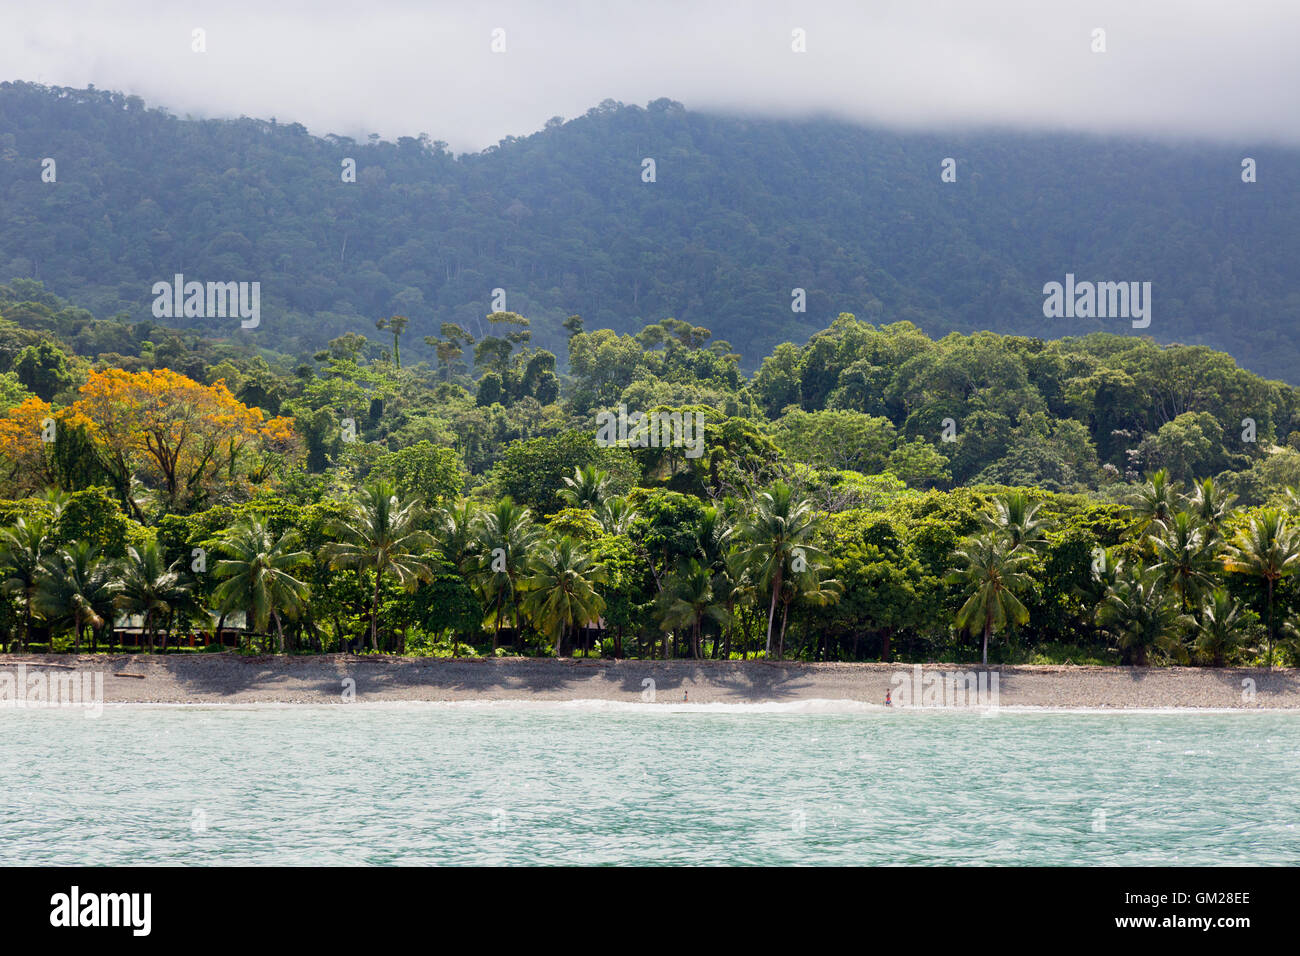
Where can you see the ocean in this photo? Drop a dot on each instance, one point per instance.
(814, 783)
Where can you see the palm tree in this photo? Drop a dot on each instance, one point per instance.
(1269, 549)
(1015, 517)
(257, 577)
(1141, 614)
(455, 534)
(1210, 504)
(23, 549)
(79, 588)
(505, 536)
(776, 534)
(560, 592)
(1184, 550)
(615, 515)
(382, 534)
(588, 488)
(991, 572)
(689, 599)
(151, 587)
(1154, 502)
(1222, 621)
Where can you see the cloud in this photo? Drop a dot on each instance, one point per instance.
(1196, 68)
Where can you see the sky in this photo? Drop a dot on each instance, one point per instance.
(1226, 70)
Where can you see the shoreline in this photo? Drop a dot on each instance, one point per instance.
(327, 679)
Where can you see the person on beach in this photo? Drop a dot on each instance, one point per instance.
(889, 700)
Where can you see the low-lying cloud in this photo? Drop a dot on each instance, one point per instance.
(1198, 68)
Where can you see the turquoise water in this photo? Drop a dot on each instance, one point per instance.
(429, 784)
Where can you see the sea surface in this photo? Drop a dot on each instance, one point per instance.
(590, 783)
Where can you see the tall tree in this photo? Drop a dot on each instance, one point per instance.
(397, 325)
(1142, 614)
(776, 536)
(257, 577)
(79, 588)
(506, 537)
(1269, 549)
(382, 534)
(23, 549)
(560, 592)
(1184, 551)
(151, 587)
(992, 573)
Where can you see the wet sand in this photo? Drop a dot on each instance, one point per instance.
(233, 679)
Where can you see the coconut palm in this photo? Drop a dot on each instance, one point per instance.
(24, 547)
(1154, 502)
(588, 488)
(779, 530)
(506, 537)
(78, 588)
(151, 587)
(455, 535)
(1185, 551)
(1222, 623)
(807, 588)
(615, 515)
(1210, 504)
(1142, 614)
(688, 598)
(257, 577)
(1015, 517)
(381, 533)
(992, 573)
(560, 592)
(1269, 549)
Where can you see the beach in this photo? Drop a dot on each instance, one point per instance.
(342, 678)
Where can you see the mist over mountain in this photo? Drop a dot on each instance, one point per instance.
(741, 213)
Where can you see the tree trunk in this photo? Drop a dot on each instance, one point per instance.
(1269, 656)
(988, 623)
(785, 616)
(279, 630)
(771, 613)
(374, 617)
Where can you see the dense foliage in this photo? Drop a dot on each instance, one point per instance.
(741, 212)
(873, 493)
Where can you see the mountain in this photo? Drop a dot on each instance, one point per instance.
(742, 211)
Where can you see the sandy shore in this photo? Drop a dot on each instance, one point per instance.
(232, 679)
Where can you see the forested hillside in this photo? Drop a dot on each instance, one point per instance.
(872, 493)
(741, 212)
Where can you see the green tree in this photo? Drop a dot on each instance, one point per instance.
(991, 573)
(78, 588)
(560, 592)
(23, 550)
(780, 531)
(257, 577)
(1184, 552)
(1222, 624)
(1269, 549)
(1142, 614)
(151, 587)
(588, 488)
(689, 599)
(506, 538)
(381, 534)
